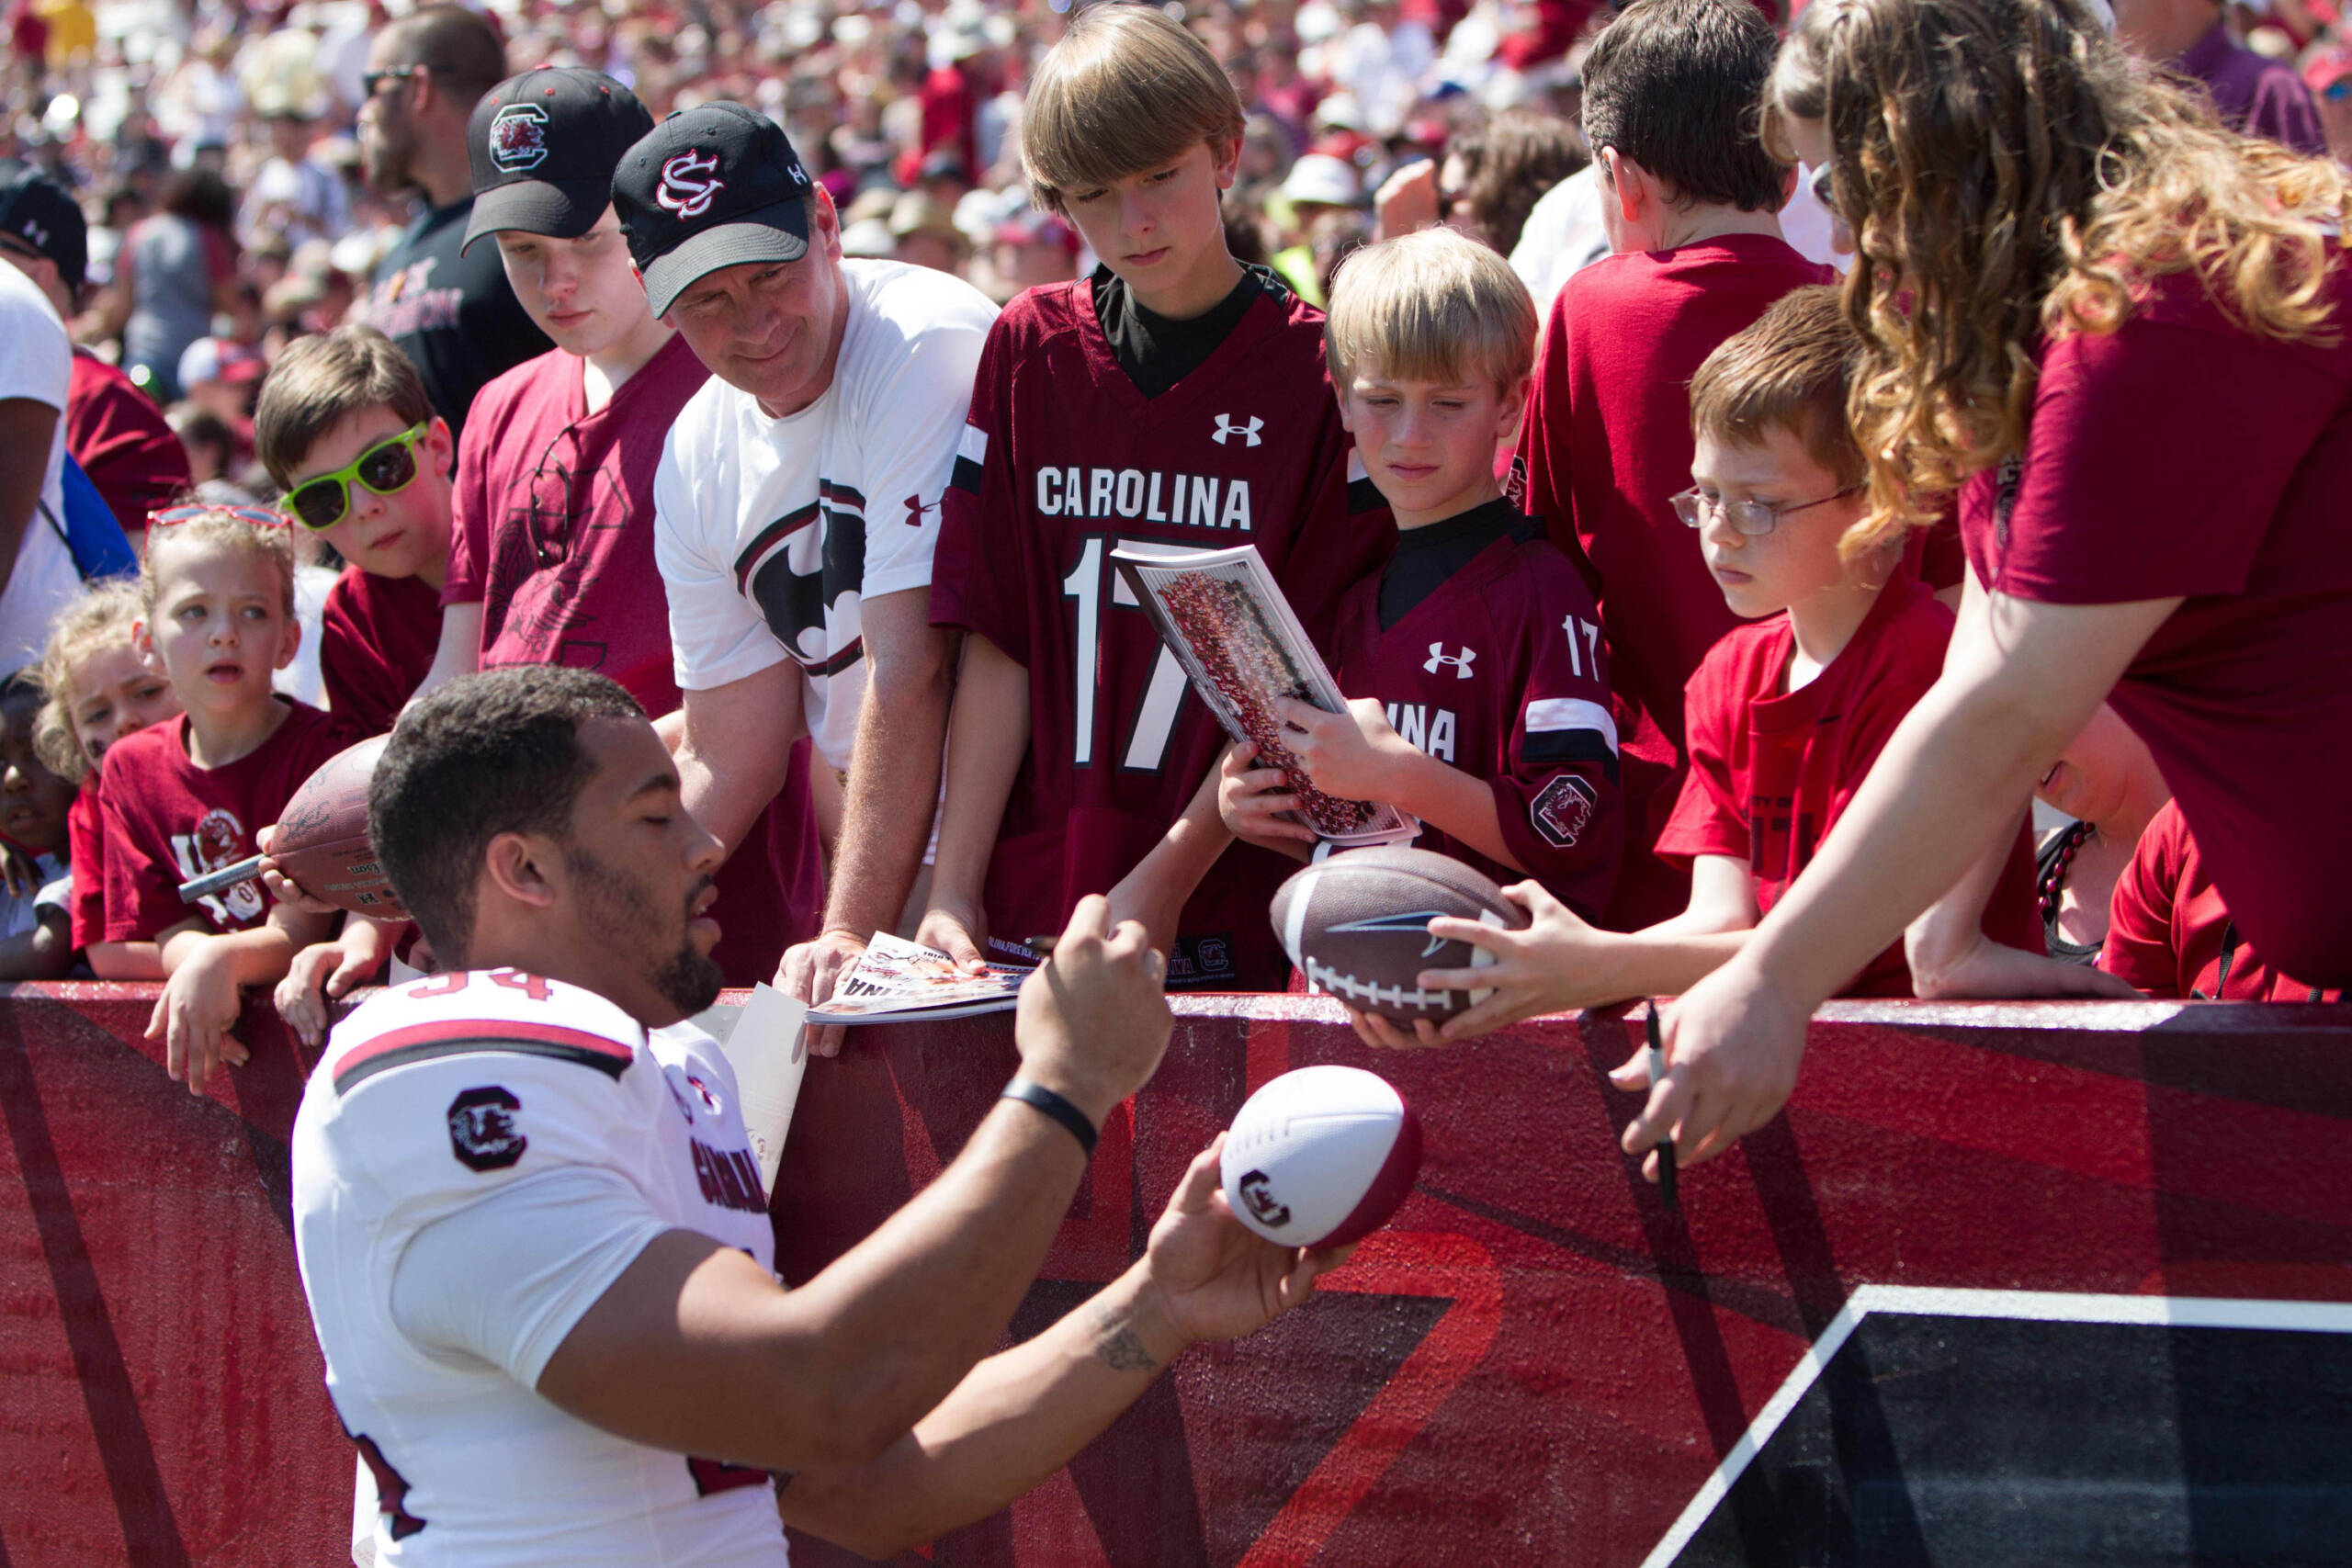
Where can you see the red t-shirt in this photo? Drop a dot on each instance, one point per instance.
(553, 536)
(1501, 671)
(1772, 770)
(85, 843)
(168, 820)
(1607, 441)
(118, 434)
(2169, 934)
(377, 639)
(2130, 490)
(1063, 459)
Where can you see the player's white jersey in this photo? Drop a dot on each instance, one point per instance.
(463, 1103)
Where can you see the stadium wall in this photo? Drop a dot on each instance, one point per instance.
(2008, 1283)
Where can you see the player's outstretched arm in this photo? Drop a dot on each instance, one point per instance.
(695, 1350)
(988, 733)
(1020, 1415)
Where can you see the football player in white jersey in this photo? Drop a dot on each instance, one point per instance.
(532, 1237)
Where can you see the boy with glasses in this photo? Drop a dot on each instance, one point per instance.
(1787, 713)
(345, 427)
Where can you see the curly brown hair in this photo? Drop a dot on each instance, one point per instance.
(1507, 165)
(2010, 175)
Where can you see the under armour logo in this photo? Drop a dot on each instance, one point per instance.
(688, 187)
(1461, 664)
(916, 510)
(1249, 433)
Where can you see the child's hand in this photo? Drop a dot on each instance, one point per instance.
(1251, 801)
(195, 1014)
(1556, 964)
(322, 975)
(18, 873)
(1349, 754)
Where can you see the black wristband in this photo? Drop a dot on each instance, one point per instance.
(1055, 1106)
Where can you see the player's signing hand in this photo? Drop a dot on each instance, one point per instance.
(1733, 1045)
(810, 970)
(284, 888)
(1093, 1022)
(1216, 1280)
(195, 1014)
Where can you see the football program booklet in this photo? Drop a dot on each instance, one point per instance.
(896, 980)
(1222, 615)
(769, 1050)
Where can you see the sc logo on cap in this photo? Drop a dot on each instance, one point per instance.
(688, 187)
(518, 138)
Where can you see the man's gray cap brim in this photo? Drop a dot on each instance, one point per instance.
(753, 239)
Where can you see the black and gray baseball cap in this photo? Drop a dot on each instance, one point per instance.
(712, 186)
(39, 213)
(543, 146)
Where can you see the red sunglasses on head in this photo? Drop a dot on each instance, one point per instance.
(259, 516)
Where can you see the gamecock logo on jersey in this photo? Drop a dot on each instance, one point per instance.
(1563, 811)
(689, 183)
(481, 1129)
(518, 138)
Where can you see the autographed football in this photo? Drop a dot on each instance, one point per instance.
(1357, 926)
(322, 837)
(1320, 1156)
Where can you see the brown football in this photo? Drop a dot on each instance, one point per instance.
(1357, 926)
(322, 837)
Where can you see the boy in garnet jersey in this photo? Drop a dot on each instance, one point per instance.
(2170, 934)
(1175, 398)
(1690, 200)
(1473, 659)
(1786, 713)
(553, 558)
(346, 431)
(182, 798)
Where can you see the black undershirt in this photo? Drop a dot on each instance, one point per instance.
(1159, 351)
(1426, 557)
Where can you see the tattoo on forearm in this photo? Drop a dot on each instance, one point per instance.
(1118, 1344)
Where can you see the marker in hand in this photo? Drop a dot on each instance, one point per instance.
(1664, 1149)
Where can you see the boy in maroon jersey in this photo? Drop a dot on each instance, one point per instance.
(2170, 934)
(1473, 659)
(1175, 398)
(1690, 200)
(1786, 714)
(346, 429)
(553, 558)
(183, 798)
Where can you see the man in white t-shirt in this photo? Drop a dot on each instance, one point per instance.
(531, 1230)
(798, 502)
(35, 372)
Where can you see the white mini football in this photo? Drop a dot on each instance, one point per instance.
(1321, 1156)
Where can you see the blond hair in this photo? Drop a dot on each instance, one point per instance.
(100, 617)
(2010, 174)
(1790, 369)
(1125, 90)
(219, 529)
(1432, 306)
(322, 380)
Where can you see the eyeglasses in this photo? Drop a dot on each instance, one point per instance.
(387, 468)
(1753, 518)
(259, 516)
(371, 80)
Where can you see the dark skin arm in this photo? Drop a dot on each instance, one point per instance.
(26, 427)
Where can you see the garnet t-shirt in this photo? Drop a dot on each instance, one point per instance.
(377, 639)
(1772, 770)
(118, 434)
(2184, 455)
(2170, 934)
(1607, 441)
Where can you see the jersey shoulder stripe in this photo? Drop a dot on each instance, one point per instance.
(463, 1036)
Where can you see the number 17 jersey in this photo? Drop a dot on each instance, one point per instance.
(1063, 459)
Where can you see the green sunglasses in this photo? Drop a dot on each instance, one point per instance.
(386, 469)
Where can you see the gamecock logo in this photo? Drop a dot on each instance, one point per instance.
(689, 183)
(1563, 811)
(518, 138)
(1257, 1193)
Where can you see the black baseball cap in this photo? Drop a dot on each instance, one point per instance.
(36, 210)
(712, 186)
(544, 145)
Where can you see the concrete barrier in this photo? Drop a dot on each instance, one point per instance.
(2008, 1284)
